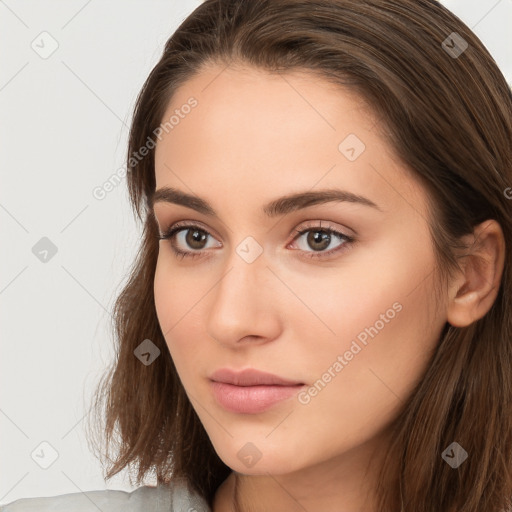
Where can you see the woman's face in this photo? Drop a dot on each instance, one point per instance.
(354, 321)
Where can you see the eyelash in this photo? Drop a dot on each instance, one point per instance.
(169, 235)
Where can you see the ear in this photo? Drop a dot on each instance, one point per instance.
(474, 291)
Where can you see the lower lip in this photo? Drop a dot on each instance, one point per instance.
(251, 399)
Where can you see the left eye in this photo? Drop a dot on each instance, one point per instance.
(319, 239)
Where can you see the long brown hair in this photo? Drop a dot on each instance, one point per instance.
(447, 112)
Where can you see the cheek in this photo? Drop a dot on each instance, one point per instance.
(164, 296)
(170, 298)
(384, 338)
(177, 304)
(360, 379)
(175, 293)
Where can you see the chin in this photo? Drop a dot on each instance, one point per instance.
(260, 458)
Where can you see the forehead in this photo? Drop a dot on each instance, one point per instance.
(258, 134)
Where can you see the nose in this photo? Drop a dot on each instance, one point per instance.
(244, 304)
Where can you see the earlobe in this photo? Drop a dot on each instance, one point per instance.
(476, 289)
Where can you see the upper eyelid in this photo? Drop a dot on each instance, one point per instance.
(187, 225)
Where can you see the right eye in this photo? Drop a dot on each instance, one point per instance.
(184, 237)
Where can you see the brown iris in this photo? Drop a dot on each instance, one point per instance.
(195, 236)
(318, 237)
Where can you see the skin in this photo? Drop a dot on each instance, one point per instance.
(254, 137)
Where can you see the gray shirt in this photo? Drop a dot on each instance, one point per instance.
(174, 497)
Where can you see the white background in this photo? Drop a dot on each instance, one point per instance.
(64, 126)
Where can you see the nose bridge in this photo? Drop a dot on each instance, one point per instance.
(242, 299)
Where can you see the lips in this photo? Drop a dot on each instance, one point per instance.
(250, 377)
(251, 391)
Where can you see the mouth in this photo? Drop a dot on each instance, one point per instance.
(251, 391)
(251, 399)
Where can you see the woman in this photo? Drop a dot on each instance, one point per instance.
(319, 315)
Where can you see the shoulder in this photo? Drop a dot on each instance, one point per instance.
(173, 497)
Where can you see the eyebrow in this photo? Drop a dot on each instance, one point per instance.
(274, 208)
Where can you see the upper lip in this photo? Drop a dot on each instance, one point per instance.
(250, 377)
